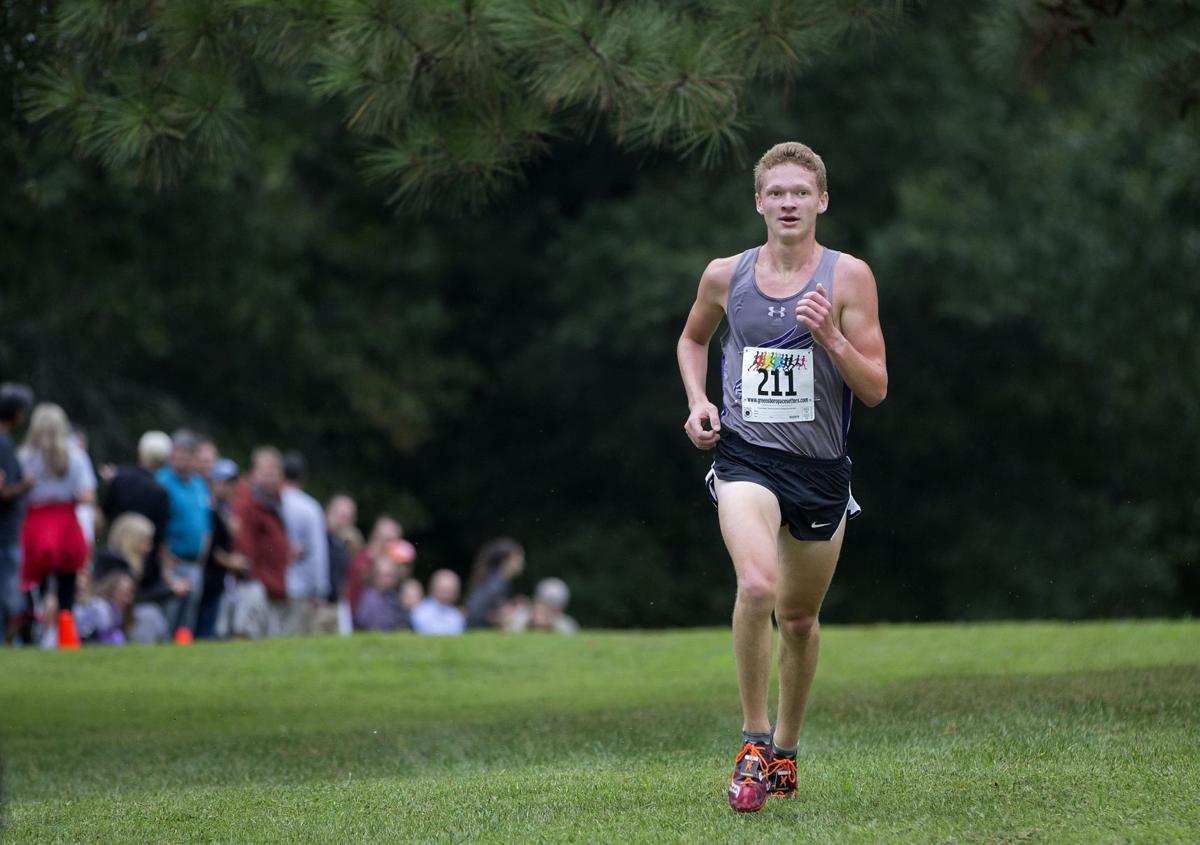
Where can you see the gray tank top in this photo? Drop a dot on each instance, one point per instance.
(758, 320)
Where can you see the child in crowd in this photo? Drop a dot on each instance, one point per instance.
(104, 617)
(380, 607)
(411, 594)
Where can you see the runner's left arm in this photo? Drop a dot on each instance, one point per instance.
(855, 342)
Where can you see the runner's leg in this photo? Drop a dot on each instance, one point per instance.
(749, 515)
(806, 568)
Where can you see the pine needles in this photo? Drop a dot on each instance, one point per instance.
(452, 98)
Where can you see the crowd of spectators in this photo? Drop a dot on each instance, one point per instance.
(182, 544)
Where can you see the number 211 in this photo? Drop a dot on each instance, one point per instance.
(791, 391)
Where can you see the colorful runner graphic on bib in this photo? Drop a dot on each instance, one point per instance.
(777, 385)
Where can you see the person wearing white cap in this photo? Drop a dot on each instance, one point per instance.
(549, 608)
(547, 611)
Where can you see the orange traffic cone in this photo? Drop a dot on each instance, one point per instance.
(68, 637)
(183, 636)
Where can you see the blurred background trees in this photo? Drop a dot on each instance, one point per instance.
(445, 248)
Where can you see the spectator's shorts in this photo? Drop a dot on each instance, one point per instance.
(813, 493)
(249, 611)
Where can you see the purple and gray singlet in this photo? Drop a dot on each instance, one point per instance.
(769, 323)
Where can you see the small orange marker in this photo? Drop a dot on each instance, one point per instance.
(183, 636)
(68, 637)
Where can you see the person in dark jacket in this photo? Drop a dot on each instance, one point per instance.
(15, 402)
(345, 541)
(223, 563)
(134, 490)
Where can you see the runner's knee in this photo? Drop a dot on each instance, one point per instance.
(797, 626)
(757, 589)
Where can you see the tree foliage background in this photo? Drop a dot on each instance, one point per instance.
(445, 249)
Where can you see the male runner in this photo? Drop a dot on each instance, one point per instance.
(803, 339)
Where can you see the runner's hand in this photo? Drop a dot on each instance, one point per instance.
(816, 312)
(705, 413)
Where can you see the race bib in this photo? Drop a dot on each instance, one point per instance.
(777, 385)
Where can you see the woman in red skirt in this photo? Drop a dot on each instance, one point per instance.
(52, 542)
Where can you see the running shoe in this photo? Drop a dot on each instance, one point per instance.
(748, 786)
(781, 777)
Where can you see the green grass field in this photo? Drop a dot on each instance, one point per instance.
(988, 733)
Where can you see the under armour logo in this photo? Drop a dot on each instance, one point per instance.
(771, 311)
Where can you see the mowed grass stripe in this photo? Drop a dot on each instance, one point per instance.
(1034, 732)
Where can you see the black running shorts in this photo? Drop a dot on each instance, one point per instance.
(813, 493)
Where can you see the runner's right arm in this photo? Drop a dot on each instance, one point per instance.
(692, 351)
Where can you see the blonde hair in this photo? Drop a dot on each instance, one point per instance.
(127, 531)
(48, 433)
(791, 152)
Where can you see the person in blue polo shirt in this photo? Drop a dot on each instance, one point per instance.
(189, 525)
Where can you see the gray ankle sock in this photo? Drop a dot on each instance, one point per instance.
(785, 752)
(757, 739)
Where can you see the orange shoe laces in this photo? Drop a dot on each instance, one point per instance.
(752, 750)
(786, 765)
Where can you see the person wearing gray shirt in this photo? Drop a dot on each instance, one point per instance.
(803, 341)
(308, 572)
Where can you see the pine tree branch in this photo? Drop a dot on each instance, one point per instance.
(440, 87)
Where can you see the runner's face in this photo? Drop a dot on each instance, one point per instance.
(789, 201)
